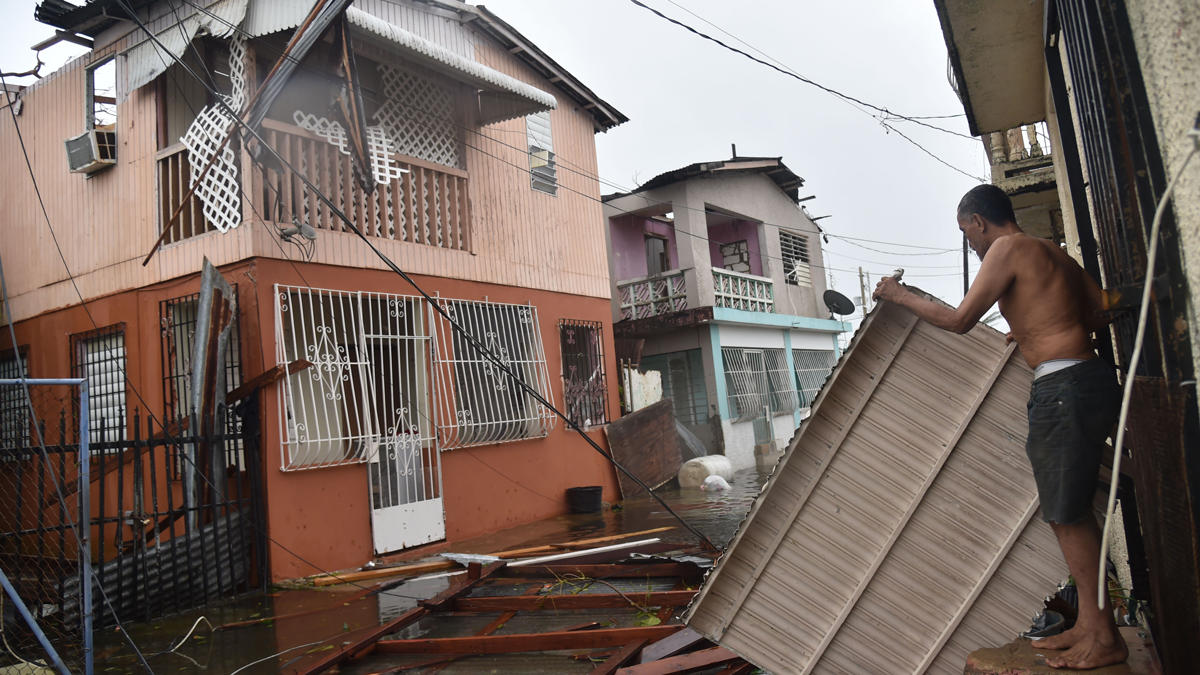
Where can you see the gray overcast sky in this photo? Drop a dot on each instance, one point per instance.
(688, 99)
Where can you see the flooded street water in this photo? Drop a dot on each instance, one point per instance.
(313, 621)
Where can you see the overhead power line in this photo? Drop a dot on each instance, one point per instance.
(886, 114)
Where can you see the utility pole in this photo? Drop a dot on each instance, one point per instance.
(966, 280)
(862, 288)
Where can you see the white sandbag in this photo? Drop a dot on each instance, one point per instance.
(694, 471)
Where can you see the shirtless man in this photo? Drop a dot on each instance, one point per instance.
(1052, 306)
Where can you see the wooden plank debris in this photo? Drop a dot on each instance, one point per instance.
(526, 642)
(668, 646)
(683, 663)
(573, 601)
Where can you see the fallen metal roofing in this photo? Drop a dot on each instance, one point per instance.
(899, 532)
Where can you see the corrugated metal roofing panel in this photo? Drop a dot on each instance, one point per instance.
(898, 533)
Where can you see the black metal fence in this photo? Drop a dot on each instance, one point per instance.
(162, 540)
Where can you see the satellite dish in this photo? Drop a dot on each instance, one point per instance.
(837, 303)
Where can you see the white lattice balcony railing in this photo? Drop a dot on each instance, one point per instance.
(427, 205)
(736, 290)
(651, 296)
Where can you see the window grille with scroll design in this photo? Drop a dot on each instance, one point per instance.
(368, 386)
(479, 403)
(584, 391)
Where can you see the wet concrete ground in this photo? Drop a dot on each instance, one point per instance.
(309, 622)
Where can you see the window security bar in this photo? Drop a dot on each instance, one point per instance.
(812, 369)
(368, 388)
(477, 402)
(758, 382)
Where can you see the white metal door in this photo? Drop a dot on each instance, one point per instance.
(403, 464)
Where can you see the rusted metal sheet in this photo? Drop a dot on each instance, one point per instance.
(900, 530)
(645, 442)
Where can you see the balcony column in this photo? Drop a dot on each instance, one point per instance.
(691, 243)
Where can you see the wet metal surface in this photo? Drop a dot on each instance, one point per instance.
(321, 619)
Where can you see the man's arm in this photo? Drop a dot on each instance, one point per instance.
(995, 276)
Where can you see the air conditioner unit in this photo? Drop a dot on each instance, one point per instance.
(91, 151)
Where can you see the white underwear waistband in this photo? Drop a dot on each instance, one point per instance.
(1053, 366)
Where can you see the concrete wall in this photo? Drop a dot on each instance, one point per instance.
(1166, 34)
(755, 198)
(732, 231)
(628, 248)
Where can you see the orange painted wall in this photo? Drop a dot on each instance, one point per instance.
(322, 516)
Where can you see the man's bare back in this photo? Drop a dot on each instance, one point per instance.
(1050, 302)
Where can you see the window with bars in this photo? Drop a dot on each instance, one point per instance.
(177, 323)
(368, 386)
(480, 403)
(585, 393)
(99, 357)
(812, 369)
(793, 248)
(542, 166)
(682, 382)
(758, 382)
(14, 411)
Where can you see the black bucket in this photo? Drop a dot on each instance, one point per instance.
(584, 499)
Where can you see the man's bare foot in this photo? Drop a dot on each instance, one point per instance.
(1092, 650)
(1064, 640)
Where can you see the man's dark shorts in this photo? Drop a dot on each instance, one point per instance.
(1071, 412)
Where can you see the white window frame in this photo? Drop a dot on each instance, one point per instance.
(478, 403)
(543, 171)
(793, 248)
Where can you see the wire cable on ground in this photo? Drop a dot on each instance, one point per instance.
(1134, 359)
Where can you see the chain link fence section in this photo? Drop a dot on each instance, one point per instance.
(42, 487)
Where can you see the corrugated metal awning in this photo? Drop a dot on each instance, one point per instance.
(145, 59)
(502, 96)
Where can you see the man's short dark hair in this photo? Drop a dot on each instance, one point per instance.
(988, 201)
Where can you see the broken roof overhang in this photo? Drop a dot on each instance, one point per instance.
(997, 58)
(604, 116)
(144, 60)
(88, 19)
(772, 167)
(501, 96)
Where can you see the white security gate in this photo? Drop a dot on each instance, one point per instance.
(365, 399)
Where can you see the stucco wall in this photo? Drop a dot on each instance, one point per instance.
(1166, 34)
(629, 245)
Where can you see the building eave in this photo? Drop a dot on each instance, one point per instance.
(996, 60)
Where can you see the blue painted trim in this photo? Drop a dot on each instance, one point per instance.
(726, 315)
(789, 358)
(837, 348)
(714, 334)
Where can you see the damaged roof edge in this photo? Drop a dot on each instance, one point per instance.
(964, 96)
(604, 115)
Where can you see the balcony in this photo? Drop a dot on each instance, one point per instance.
(428, 205)
(650, 296)
(664, 293)
(737, 290)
